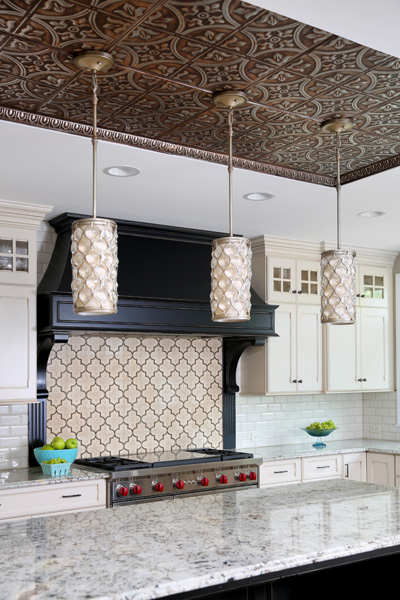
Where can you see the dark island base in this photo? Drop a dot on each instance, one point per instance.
(370, 575)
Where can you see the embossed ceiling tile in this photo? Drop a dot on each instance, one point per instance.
(289, 86)
(221, 75)
(126, 10)
(10, 19)
(29, 106)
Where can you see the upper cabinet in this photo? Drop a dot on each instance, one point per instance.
(293, 281)
(308, 356)
(18, 255)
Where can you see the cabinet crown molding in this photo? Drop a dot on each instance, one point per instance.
(22, 214)
(303, 249)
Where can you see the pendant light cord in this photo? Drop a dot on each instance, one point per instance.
(338, 189)
(230, 170)
(94, 141)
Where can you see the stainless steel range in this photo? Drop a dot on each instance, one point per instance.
(161, 475)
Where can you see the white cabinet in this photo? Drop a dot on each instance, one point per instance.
(18, 335)
(18, 254)
(354, 466)
(321, 467)
(380, 468)
(277, 472)
(357, 357)
(291, 280)
(291, 362)
(374, 286)
(397, 470)
(23, 502)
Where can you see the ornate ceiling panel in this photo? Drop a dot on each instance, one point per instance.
(172, 55)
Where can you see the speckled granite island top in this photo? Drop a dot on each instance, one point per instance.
(32, 476)
(332, 447)
(155, 550)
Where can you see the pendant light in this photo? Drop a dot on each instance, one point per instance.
(338, 267)
(94, 241)
(231, 256)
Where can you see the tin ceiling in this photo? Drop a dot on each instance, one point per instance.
(172, 55)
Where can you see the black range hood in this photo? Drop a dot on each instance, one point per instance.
(163, 289)
(163, 286)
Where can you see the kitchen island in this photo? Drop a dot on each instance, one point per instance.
(280, 540)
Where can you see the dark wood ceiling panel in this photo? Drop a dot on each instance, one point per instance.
(171, 55)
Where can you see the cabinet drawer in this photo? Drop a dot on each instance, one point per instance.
(321, 467)
(280, 471)
(52, 498)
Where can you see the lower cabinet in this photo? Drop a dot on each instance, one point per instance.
(321, 467)
(23, 502)
(381, 468)
(354, 466)
(276, 472)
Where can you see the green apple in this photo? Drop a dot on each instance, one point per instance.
(47, 447)
(58, 443)
(71, 443)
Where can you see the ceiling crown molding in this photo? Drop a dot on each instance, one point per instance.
(23, 214)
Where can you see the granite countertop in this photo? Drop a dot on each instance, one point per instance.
(154, 550)
(332, 447)
(32, 476)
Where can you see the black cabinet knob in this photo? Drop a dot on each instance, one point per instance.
(300, 381)
(294, 292)
(359, 379)
(358, 295)
(362, 295)
(300, 292)
(364, 379)
(294, 380)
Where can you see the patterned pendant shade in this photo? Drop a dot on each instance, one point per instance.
(94, 241)
(338, 267)
(231, 256)
(94, 266)
(230, 279)
(338, 287)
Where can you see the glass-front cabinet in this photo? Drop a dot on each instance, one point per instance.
(373, 286)
(295, 281)
(17, 256)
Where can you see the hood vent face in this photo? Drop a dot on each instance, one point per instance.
(163, 286)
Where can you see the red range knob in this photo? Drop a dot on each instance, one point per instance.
(223, 479)
(242, 477)
(204, 481)
(122, 490)
(136, 489)
(253, 475)
(159, 487)
(179, 484)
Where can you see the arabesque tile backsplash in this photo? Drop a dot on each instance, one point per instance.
(125, 394)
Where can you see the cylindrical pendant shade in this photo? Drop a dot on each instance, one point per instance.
(338, 287)
(94, 266)
(230, 279)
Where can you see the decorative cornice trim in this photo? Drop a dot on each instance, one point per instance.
(22, 214)
(378, 167)
(274, 246)
(54, 124)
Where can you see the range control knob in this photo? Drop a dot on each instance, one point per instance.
(158, 487)
(179, 484)
(253, 475)
(222, 478)
(204, 481)
(241, 476)
(136, 489)
(122, 491)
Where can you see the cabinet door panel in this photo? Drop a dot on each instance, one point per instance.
(281, 276)
(309, 351)
(374, 348)
(282, 351)
(355, 466)
(342, 357)
(17, 336)
(373, 286)
(380, 468)
(308, 282)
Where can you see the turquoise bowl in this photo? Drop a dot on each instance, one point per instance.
(41, 455)
(319, 433)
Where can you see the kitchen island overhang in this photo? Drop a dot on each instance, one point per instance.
(255, 540)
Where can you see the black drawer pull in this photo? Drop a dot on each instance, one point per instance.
(324, 467)
(300, 381)
(280, 471)
(71, 496)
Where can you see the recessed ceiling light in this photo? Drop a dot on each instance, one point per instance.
(121, 171)
(370, 214)
(259, 196)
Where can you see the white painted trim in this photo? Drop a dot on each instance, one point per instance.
(23, 215)
(396, 314)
